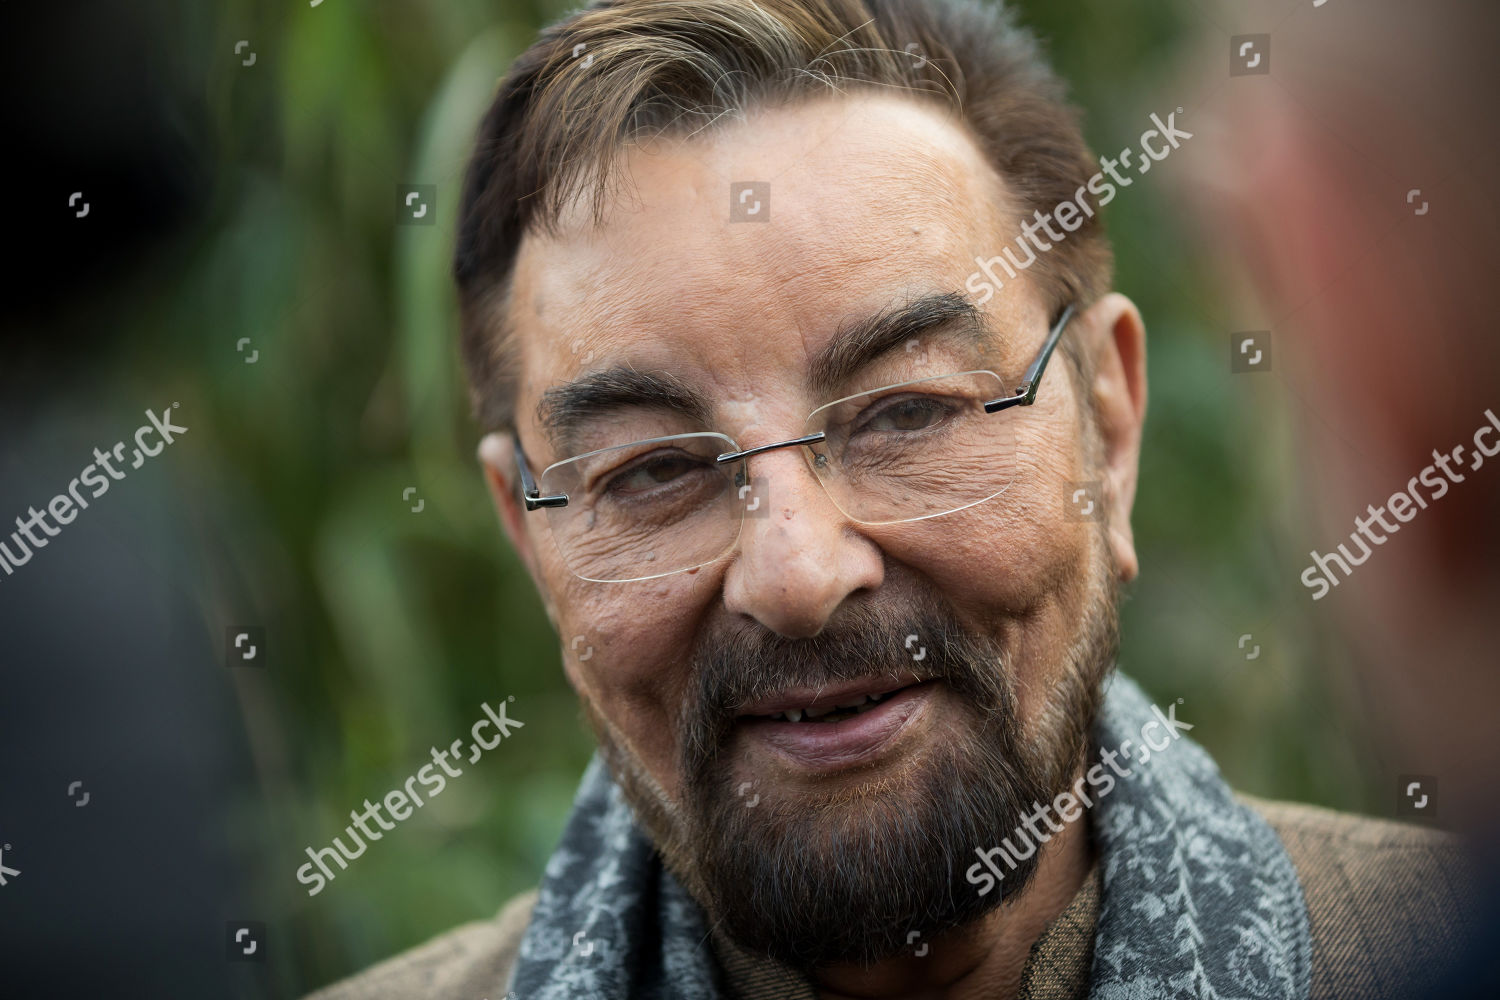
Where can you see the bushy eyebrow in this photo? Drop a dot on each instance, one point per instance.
(865, 341)
(564, 409)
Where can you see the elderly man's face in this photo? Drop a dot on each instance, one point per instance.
(805, 836)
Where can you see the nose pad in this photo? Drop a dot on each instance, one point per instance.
(830, 477)
(820, 465)
(783, 498)
(749, 493)
(762, 490)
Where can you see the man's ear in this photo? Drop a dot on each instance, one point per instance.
(497, 457)
(1117, 340)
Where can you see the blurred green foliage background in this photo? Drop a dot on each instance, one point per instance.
(388, 628)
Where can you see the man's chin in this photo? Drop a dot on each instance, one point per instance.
(811, 863)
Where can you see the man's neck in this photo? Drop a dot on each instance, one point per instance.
(985, 959)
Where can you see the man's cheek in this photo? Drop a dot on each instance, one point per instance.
(628, 645)
(1001, 555)
(635, 690)
(1047, 513)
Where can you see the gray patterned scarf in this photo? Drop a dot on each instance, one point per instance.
(1199, 896)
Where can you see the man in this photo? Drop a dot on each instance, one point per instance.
(760, 304)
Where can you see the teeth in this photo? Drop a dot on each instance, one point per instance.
(863, 704)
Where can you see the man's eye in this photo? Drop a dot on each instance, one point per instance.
(653, 472)
(909, 413)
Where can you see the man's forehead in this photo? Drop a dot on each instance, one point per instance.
(869, 198)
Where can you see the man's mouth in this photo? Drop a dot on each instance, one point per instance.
(838, 726)
(825, 714)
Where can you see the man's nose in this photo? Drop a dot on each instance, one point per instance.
(798, 562)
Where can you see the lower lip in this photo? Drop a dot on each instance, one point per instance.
(832, 746)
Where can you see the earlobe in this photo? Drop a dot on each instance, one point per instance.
(1119, 397)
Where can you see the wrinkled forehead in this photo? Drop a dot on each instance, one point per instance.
(730, 258)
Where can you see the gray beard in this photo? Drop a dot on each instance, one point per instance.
(847, 878)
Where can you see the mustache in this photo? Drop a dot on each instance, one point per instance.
(742, 663)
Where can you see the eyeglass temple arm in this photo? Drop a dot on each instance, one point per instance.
(529, 491)
(1025, 393)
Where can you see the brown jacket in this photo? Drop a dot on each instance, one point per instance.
(1387, 902)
